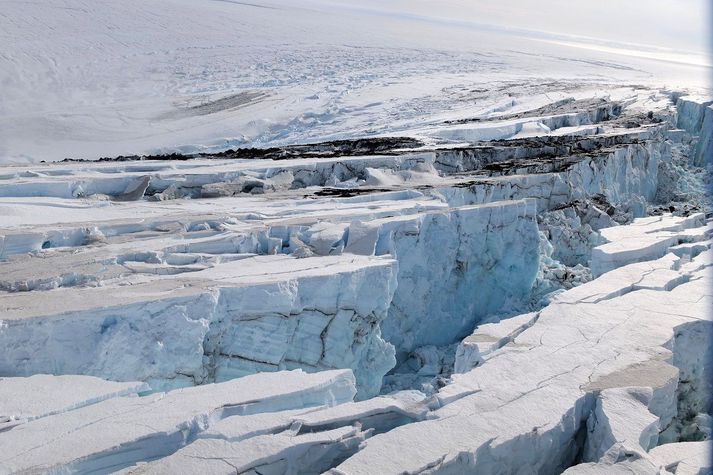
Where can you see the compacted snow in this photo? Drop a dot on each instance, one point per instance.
(96, 78)
(385, 241)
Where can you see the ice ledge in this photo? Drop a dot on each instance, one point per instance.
(259, 314)
(120, 432)
(646, 239)
(26, 399)
(533, 395)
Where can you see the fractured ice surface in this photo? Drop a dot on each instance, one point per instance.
(275, 453)
(42, 395)
(533, 395)
(646, 239)
(322, 311)
(455, 268)
(307, 441)
(260, 313)
(119, 432)
(695, 116)
(272, 422)
(621, 425)
(704, 148)
(488, 338)
(685, 458)
(366, 267)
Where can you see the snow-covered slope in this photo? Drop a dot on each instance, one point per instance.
(97, 78)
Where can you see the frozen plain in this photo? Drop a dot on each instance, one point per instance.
(441, 259)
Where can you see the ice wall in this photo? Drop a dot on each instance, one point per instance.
(621, 175)
(456, 268)
(593, 377)
(323, 313)
(704, 148)
(695, 116)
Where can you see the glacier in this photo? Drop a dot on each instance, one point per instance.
(349, 238)
(609, 387)
(513, 402)
(517, 303)
(185, 331)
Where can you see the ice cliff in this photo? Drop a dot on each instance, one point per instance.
(530, 281)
